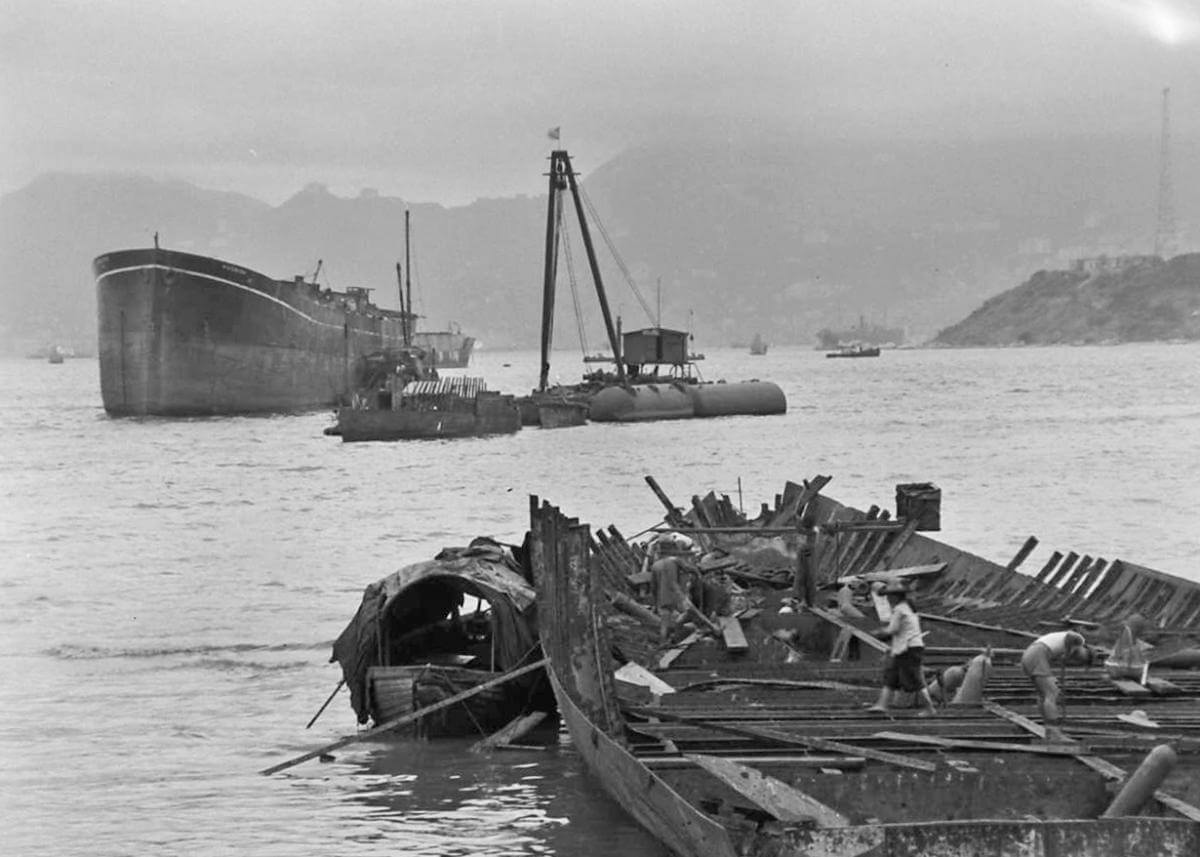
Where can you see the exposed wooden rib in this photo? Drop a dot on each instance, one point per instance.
(1025, 551)
(775, 796)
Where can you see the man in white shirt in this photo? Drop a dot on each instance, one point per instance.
(1058, 647)
(902, 669)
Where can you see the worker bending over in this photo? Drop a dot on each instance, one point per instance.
(1059, 647)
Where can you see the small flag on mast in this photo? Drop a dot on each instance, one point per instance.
(553, 133)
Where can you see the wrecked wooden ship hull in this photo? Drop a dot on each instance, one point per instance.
(411, 646)
(752, 738)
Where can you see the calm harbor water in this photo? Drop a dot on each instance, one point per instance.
(170, 588)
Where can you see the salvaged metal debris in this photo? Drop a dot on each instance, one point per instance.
(747, 732)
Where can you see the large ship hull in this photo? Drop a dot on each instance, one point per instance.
(187, 335)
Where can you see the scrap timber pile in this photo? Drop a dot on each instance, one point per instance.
(753, 708)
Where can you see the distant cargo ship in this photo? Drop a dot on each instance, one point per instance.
(188, 335)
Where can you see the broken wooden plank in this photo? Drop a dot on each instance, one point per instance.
(897, 543)
(1129, 687)
(776, 736)
(775, 796)
(891, 574)
(678, 649)
(829, 616)
(993, 746)
(732, 633)
(837, 764)
(516, 728)
(934, 617)
(881, 525)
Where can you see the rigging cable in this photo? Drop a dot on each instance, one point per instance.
(566, 247)
(587, 201)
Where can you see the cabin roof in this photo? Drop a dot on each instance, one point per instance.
(424, 592)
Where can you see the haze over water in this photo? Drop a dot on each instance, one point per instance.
(170, 588)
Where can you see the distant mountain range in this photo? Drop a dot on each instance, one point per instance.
(782, 238)
(1139, 299)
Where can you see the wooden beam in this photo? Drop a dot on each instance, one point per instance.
(775, 796)
(796, 760)
(993, 746)
(516, 728)
(678, 649)
(829, 616)
(934, 617)
(732, 633)
(776, 736)
(877, 526)
(405, 719)
(891, 573)
(1026, 549)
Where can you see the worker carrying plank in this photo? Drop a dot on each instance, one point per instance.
(902, 669)
(1057, 647)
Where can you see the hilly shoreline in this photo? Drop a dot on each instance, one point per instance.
(1097, 301)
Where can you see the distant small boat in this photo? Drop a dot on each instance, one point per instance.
(758, 345)
(56, 354)
(855, 350)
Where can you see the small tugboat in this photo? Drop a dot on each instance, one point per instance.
(437, 628)
(855, 349)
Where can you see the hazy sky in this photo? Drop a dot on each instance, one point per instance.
(441, 100)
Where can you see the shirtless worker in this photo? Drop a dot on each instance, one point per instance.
(1058, 647)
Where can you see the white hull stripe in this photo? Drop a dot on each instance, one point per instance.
(235, 285)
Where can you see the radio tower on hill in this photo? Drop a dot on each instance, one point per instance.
(1164, 233)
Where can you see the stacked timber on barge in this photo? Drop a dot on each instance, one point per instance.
(745, 732)
(436, 629)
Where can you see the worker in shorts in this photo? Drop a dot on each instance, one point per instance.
(902, 669)
(1038, 660)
